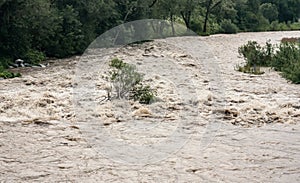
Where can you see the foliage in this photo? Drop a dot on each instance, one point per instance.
(195, 24)
(69, 37)
(295, 26)
(288, 10)
(7, 75)
(287, 61)
(143, 94)
(254, 54)
(292, 72)
(209, 6)
(127, 82)
(276, 26)
(124, 77)
(64, 28)
(34, 57)
(249, 69)
(269, 11)
(287, 55)
(5, 62)
(284, 58)
(228, 27)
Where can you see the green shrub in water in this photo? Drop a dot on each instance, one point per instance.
(127, 82)
(7, 75)
(34, 57)
(286, 58)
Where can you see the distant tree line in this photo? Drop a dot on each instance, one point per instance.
(33, 29)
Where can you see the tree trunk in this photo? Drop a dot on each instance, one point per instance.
(172, 24)
(125, 18)
(187, 18)
(207, 15)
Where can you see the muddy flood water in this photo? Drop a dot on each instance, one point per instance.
(210, 123)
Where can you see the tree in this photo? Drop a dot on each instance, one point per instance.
(209, 6)
(167, 10)
(24, 25)
(95, 16)
(172, 9)
(269, 11)
(226, 11)
(253, 6)
(187, 8)
(249, 17)
(70, 36)
(288, 10)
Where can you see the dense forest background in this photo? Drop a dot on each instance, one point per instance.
(36, 29)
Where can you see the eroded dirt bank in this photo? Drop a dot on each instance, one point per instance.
(257, 138)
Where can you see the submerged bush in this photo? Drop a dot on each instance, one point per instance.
(127, 82)
(292, 72)
(143, 94)
(34, 57)
(249, 69)
(255, 54)
(5, 62)
(286, 55)
(6, 74)
(285, 59)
